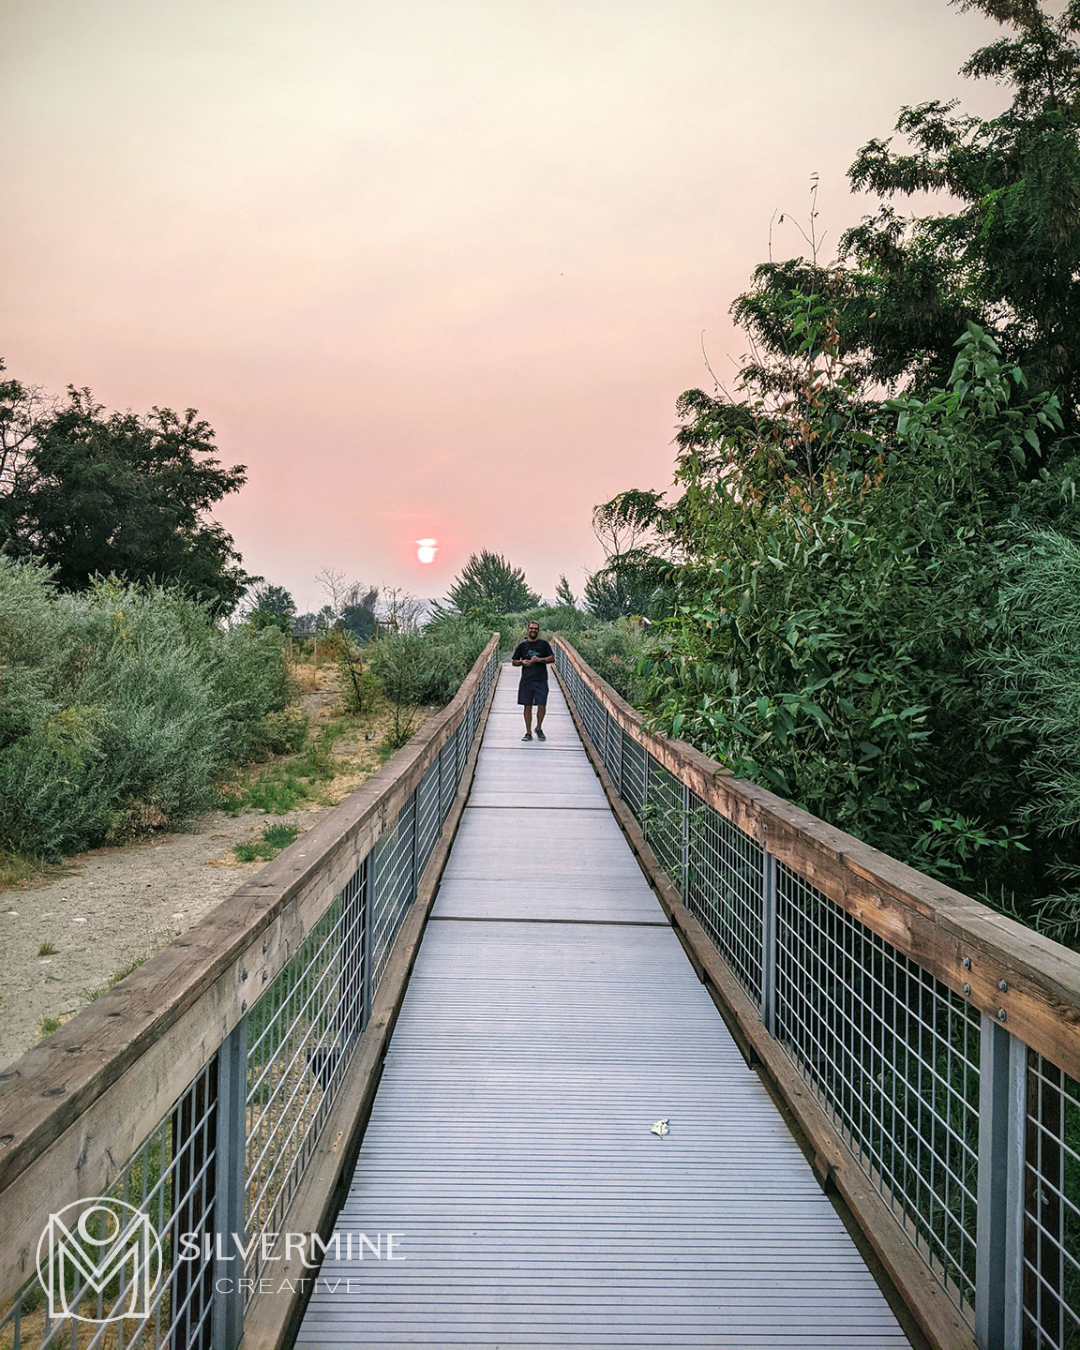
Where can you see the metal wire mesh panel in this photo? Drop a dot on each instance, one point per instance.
(613, 750)
(393, 887)
(634, 760)
(893, 1056)
(165, 1190)
(447, 777)
(428, 815)
(299, 1035)
(461, 751)
(663, 819)
(724, 890)
(1051, 1209)
(595, 718)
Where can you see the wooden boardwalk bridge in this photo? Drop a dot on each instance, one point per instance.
(435, 1033)
(551, 1018)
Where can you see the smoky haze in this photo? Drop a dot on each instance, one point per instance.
(431, 270)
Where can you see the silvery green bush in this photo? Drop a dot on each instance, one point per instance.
(119, 708)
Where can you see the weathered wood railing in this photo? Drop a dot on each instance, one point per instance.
(220, 1088)
(928, 1047)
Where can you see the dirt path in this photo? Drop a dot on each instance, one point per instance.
(115, 907)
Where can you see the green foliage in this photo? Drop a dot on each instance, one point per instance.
(357, 684)
(851, 616)
(830, 621)
(358, 612)
(426, 666)
(120, 707)
(271, 607)
(274, 838)
(564, 596)
(1035, 667)
(92, 494)
(423, 666)
(618, 591)
(284, 784)
(1007, 252)
(488, 586)
(614, 650)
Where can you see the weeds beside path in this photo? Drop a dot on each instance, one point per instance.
(110, 909)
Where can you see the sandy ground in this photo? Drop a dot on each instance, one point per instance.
(117, 906)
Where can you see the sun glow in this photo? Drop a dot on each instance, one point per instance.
(426, 550)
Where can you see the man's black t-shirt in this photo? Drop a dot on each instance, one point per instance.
(531, 676)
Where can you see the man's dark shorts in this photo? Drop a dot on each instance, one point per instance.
(536, 696)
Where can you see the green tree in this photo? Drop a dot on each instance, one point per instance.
(22, 408)
(610, 595)
(98, 493)
(1008, 255)
(359, 611)
(824, 638)
(271, 607)
(564, 596)
(489, 585)
(1002, 250)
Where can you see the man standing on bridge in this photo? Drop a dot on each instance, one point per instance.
(534, 655)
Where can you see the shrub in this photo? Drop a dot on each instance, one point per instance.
(426, 666)
(613, 650)
(119, 708)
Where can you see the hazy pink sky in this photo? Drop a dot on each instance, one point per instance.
(430, 267)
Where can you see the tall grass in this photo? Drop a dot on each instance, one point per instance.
(119, 708)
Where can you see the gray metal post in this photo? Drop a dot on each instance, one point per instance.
(768, 942)
(230, 1163)
(645, 796)
(999, 1236)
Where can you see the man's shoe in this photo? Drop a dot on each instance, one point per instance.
(527, 736)
(540, 735)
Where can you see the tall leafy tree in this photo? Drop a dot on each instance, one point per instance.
(612, 594)
(97, 493)
(271, 607)
(564, 596)
(489, 584)
(1002, 250)
(1007, 255)
(359, 610)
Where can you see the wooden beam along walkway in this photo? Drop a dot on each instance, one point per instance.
(551, 1018)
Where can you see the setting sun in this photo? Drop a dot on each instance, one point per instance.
(426, 550)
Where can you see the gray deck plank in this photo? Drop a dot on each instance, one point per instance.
(551, 1017)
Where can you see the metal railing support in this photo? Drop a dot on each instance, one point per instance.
(768, 941)
(999, 1241)
(231, 1172)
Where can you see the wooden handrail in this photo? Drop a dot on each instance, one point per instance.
(998, 965)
